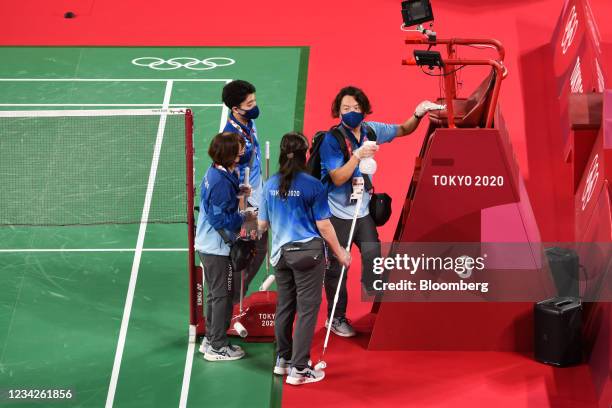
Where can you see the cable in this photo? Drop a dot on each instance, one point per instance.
(483, 46)
(458, 78)
(403, 28)
(479, 46)
(440, 75)
(586, 280)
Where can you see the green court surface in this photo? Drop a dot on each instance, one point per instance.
(65, 289)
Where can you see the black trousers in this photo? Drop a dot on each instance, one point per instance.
(261, 247)
(299, 291)
(217, 272)
(366, 239)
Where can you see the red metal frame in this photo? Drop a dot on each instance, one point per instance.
(450, 82)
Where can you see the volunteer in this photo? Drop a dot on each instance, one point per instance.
(340, 170)
(295, 207)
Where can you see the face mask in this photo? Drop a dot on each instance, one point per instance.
(252, 113)
(352, 119)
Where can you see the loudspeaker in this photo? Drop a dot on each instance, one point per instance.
(564, 267)
(558, 327)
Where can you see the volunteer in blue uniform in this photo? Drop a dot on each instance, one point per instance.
(294, 205)
(239, 96)
(219, 212)
(351, 105)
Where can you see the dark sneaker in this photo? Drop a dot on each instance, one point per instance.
(305, 376)
(227, 353)
(342, 327)
(282, 366)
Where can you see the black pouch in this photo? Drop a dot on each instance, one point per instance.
(380, 208)
(242, 252)
(303, 256)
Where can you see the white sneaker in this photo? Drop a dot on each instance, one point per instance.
(206, 344)
(305, 376)
(227, 353)
(341, 326)
(282, 366)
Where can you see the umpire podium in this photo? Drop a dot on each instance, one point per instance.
(468, 141)
(463, 213)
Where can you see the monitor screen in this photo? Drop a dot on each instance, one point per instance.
(416, 12)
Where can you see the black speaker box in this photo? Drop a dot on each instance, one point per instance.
(558, 327)
(564, 267)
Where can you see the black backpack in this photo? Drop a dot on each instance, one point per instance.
(314, 158)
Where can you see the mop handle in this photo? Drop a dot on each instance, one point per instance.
(243, 201)
(267, 160)
(267, 177)
(247, 176)
(241, 288)
(348, 248)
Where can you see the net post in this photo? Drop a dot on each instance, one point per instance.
(194, 288)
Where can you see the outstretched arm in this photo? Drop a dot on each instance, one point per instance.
(421, 110)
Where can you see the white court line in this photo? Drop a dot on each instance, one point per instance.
(18, 250)
(138, 253)
(187, 375)
(224, 114)
(112, 80)
(191, 346)
(113, 104)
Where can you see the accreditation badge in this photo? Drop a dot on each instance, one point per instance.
(358, 188)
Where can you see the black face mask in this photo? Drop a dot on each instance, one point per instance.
(252, 113)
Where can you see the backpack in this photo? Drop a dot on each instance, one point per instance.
(314, 159)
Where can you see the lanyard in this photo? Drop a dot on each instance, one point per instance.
(347, 138)
(241, 130)
(219, 167)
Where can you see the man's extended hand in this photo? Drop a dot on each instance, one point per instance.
(425, 107)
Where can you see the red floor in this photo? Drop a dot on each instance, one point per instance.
(356, 377)
(359, 42)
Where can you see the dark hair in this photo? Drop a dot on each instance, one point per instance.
(224, 148)
(236, 92)
(292, 160)
(358, 94)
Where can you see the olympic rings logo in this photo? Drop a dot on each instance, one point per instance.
(571, 27)
(194, 64)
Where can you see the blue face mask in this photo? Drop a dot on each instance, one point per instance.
(252, 113)
(352, 119)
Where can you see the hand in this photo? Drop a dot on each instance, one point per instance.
(426, 106)
(344, 257)
(365, 151)
(245, 189)
(250, 215)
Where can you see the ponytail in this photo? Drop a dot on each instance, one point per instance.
(292, 160)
